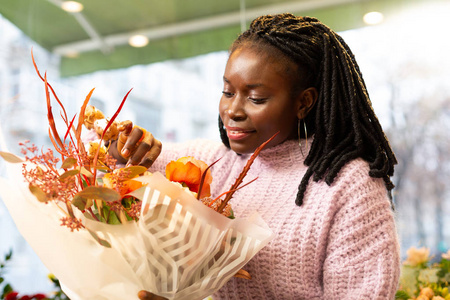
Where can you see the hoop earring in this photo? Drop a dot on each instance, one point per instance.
(306, 136)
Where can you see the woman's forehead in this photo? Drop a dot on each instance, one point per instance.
(260, 60)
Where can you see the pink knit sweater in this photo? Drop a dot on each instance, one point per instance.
(340, 244)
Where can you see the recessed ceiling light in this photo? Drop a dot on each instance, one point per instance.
(138, 41)
(72, 6)
(72, 54)
(373, 18)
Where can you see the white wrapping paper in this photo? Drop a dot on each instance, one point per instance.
(179, 249)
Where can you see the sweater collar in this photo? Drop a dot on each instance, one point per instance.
(288, 152)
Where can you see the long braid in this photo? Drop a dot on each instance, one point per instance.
(343, 121)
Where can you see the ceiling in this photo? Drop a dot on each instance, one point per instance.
(176, 28)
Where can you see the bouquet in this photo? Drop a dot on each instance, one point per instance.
(108, 232)
(423, 280)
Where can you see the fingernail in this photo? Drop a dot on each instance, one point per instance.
(125, 152)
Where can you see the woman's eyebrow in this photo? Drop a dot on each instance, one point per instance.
(254, 85)
(250, 86)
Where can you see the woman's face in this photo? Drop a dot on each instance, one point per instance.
(257, 101)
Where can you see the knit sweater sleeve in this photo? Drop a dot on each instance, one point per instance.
(362, 259)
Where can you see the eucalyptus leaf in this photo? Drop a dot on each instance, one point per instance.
(69, 163)
(81, 203)
(135, 171)
(86, 172)
(11, 158)
(101, 241)
(99, 192)
(38, 193)
(69, 174)
(102, 168)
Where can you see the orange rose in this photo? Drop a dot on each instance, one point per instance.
(188, 171)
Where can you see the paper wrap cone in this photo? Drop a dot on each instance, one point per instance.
(179, 248)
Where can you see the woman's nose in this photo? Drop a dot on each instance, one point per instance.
(235, 110)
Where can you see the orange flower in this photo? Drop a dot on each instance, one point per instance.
(188, 171)
(122, 185)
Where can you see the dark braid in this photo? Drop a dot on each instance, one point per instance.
(343, 122)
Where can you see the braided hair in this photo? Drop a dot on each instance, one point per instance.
(343, 121)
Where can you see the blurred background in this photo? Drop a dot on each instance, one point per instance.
(172, 55)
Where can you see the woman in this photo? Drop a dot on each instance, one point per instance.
(323, 183)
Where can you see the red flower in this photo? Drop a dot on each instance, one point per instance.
(39, 296)
(11, 296)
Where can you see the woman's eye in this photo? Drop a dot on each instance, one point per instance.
(227, 94)
(257, 100)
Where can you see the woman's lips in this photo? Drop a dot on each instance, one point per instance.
(235, 133)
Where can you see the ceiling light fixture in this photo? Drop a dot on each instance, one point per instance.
(138, 41)
(73, 54)
(373, 18)
(72, 6)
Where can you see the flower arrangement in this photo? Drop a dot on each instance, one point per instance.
(164, 234)
(421, 279)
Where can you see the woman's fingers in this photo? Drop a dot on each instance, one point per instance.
(132, 141)
(125, 129)
(151, 155)
(147, 151)
(135, 146)
(140, 153)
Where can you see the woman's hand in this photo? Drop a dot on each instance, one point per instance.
(135, 146)
(144, 295)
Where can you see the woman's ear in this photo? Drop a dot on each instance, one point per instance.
(306, 101)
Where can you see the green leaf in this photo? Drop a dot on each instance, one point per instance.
(110, 217)
(100, 193)
(82, 203)
(128, 201)
(11, 158)
(38, 193)
(98, 239)
(69, 174)
(7, 289)
(402, 295)
(135, 171)
(8, 255)
(113, 219)
(232, 215)
(69, 163)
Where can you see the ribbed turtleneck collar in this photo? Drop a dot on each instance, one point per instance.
(287, 152)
